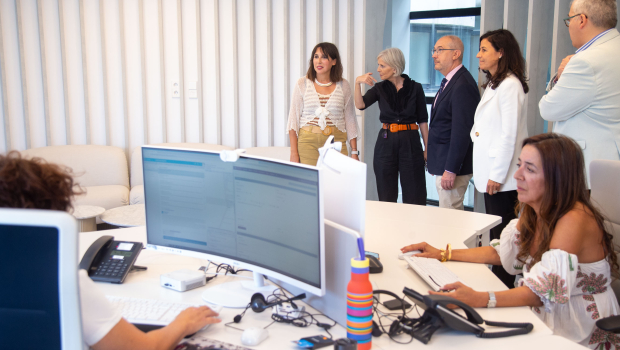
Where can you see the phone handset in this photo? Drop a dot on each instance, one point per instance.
(437, 314)
(101, 244)
(444, 300)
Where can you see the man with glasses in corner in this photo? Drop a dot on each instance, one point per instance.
(452, 117)
(583, 99)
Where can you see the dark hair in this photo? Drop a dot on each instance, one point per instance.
(511, 61)
(335, 74)
(565, 185)
(34, 184)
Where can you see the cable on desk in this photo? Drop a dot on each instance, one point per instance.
(219, 267)
(301, 320)
(401, 325)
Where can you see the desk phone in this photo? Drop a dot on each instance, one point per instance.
(107, 260)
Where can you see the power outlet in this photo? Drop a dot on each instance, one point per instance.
(176, 89)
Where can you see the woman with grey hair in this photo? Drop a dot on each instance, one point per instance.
(402, 110)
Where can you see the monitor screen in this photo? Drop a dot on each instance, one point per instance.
(39, 303)
(30, 286)
(263, 213)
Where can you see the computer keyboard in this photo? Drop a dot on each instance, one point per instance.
(432, 271)
(150, 311)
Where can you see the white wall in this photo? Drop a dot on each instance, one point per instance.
(103, 72)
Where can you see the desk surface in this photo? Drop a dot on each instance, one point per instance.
(388, 228)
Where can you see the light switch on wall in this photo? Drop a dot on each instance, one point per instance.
(191, 89)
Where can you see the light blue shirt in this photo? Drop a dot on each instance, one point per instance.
(589, 43)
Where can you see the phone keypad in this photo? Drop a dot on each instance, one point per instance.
(111, 268)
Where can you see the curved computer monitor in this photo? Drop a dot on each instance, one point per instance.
(258, 214)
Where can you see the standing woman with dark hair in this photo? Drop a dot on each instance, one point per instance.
(322, 105)
(500, 126)
(402, 110)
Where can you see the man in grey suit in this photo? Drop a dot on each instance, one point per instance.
(584, 97)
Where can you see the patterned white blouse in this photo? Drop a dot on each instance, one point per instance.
(339, 109)
(574, 295)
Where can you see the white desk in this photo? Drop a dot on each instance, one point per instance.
(388, 227)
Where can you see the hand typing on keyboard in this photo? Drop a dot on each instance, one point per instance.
(176, 319)
(152, 312)
(196, 318)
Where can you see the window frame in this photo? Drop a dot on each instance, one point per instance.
(446, 13)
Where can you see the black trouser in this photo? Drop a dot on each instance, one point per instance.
(502, 204)
(400, 152)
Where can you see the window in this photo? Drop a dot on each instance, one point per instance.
(426, 27)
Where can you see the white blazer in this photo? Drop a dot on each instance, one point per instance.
(585, 102)
(500, 126)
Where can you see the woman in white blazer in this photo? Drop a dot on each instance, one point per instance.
(500, 126)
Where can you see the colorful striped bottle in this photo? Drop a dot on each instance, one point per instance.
(359, 305)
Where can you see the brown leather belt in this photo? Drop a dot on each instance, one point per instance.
(400, 127)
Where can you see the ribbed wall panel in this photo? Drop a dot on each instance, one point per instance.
(103, 72)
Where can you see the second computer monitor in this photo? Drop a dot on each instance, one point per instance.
(258, 214)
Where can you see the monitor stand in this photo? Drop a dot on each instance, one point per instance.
(237, 294)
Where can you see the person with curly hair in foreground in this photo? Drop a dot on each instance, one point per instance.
(36, 184)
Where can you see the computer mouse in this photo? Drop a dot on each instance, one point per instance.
(401, 256)
(254, 336)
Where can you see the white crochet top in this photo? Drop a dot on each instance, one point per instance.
(305, 107)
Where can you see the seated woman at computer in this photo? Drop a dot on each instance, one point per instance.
(559, 244)
(38, 185)
(322, 105)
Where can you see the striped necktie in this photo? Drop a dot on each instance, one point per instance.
(443, 84)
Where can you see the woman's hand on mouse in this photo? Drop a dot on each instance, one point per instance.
(459, 291)
(195, 318)
(428, 251)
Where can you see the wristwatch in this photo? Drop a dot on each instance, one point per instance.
(492, 302)
(357, 153)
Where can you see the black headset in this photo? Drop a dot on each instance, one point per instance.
(258, 303)
(398, 325)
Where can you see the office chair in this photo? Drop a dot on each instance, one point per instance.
(605, 195)
(40, 304)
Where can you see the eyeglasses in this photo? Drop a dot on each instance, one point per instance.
(567, 20)
(439, 51)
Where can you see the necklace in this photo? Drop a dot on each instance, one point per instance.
(321, 84)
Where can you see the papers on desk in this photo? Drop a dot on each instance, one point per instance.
(200, 343)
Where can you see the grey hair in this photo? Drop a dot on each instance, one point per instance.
(602, 13)
(394, 58)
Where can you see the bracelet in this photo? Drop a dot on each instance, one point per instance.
(443, 255)
(449, 249)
